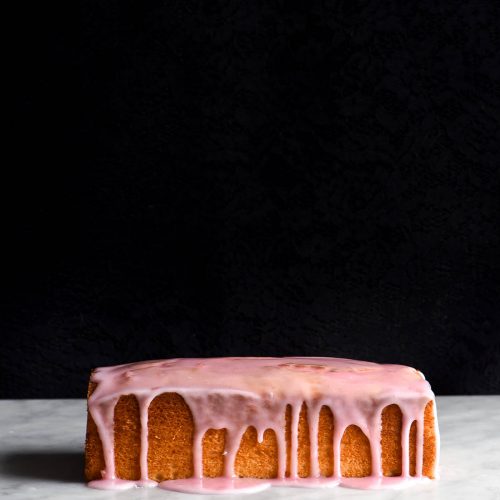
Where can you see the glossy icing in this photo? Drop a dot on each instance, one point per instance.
(225, 393)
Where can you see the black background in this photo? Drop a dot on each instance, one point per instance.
(252, 178)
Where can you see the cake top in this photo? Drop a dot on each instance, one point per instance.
(267, 378)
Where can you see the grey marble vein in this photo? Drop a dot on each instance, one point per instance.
(41, 456)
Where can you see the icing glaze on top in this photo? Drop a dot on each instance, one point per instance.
(235, 393)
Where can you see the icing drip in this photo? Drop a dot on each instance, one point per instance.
(236, 393)
(294, 441)
(313, 421)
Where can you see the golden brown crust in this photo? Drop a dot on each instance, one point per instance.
(214, 442)
(127, 438)
(430, 443)
(171, 429)
(170, 437)
(257, 460)
(413, 448)
(355, 458)
(392, 423)
(325, 440)
(94, 458)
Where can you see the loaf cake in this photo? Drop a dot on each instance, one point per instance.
(217, 424)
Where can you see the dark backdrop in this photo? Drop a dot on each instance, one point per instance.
(247, 178)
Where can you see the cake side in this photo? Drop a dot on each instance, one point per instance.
(170, 445)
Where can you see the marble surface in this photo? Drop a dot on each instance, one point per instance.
(41, 456)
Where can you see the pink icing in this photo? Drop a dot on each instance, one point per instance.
(225, 393)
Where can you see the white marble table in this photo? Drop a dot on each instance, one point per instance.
(41, 456)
